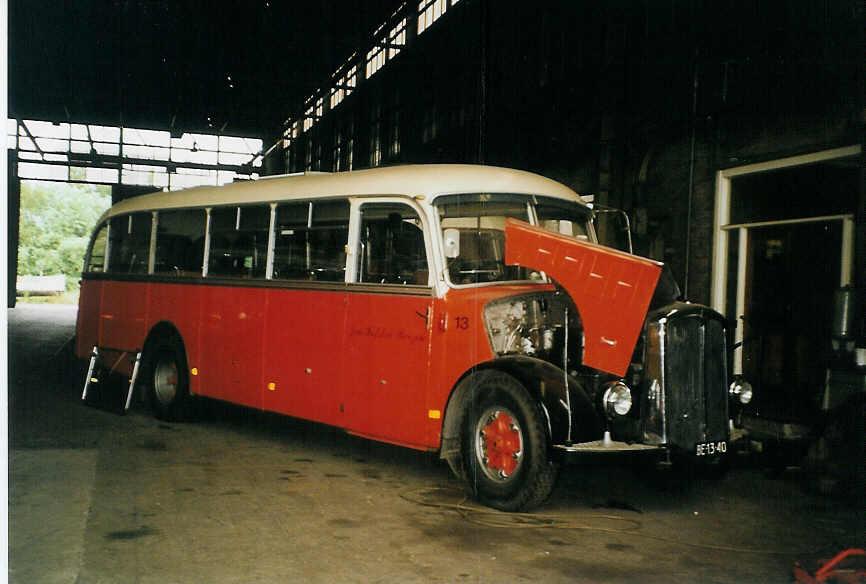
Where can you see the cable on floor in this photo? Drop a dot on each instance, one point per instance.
(487, 517)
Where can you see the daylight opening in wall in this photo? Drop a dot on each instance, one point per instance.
(54, 227)
(90, 153)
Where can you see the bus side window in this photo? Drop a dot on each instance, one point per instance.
(239, 241)
(329, 235)
(392, 245)
(310, 241)
(96, 259)
(180, 243)
(129, 245)
(291, 252)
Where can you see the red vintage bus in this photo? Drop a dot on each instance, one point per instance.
(454, 308)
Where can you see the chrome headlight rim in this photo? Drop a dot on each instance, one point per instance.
(617, 399)
(740, 390)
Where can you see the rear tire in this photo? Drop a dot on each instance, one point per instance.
(167, 378)
(505, 445)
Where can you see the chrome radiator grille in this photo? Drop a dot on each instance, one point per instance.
(695, 380)
(687, 400)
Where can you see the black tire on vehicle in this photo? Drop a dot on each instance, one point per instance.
(167, 379)
(504, 445)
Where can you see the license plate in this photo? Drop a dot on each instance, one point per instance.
(711, 448)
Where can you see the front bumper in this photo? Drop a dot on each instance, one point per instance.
(606, 447)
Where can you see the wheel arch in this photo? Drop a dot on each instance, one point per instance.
(544, 382)
(163, 329)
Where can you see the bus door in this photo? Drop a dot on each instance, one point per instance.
(387, 333)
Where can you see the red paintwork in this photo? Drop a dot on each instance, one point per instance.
(87, 327)
(122, 315)
(324, 353)
(303, 355)
(611, 289)
(386, 349)
(231, 342)
(454, 350)
(179, 305)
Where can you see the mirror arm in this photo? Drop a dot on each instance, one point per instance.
(597, 209)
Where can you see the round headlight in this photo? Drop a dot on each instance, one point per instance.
(617, 399)
(741, 390)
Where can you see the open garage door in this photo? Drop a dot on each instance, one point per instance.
(784, 246)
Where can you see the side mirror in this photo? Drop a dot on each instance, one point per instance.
(613, 227)
(565, 228)
(451, 239)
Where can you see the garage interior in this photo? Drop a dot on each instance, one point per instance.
(730, 132)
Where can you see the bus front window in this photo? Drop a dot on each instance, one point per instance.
(479, 221)
(475, 224)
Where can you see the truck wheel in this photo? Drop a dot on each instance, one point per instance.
(167, 378)
(505, 445)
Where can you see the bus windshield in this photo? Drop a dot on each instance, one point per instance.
(473, 227)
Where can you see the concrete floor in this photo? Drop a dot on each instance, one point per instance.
(241, 496)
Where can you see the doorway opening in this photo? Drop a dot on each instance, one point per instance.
(54, 227)
(784, 246)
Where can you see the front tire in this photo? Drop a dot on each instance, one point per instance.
(168, 380)
(505, 445)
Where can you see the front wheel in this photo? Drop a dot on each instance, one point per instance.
(505, 445)
(168, 380)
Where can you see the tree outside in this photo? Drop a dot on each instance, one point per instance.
(55, 226)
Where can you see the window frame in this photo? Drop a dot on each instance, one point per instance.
(88, 258)
(268, 263)
(156, 221)
(311, 205)
(532, 202)
(129, 220)
(354, 255)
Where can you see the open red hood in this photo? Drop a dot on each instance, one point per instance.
(611, 289)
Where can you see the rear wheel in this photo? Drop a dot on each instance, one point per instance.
(168, 380)
(505, 445)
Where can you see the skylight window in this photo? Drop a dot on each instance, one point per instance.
(429, 12)
(375, 60)
(308, 118)
(397, 39)
(388, 40)
(344, 86)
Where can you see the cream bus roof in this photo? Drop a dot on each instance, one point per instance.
(427, 180)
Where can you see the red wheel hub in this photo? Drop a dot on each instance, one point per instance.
(502, 443)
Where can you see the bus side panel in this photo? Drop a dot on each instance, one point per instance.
(303, 354)
(122, 315)
(460, 342)
(179, 305)
(232, 326)
(387, 363)
(89, 302)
